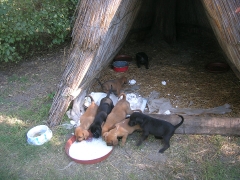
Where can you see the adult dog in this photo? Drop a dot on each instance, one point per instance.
(115, 84)
(121, 129)
(105, 107)
(118, 113)
(81, 132)
(158, 128)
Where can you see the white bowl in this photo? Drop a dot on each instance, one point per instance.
(38, 135)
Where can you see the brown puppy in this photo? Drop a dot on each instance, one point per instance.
(121, 129)
(81, 132)
(116, 85)
(118, 113)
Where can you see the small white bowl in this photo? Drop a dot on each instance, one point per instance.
(38, 135)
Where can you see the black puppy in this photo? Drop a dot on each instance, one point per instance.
(158, 128)
(96, 126)
(142, 58)
(105, 107)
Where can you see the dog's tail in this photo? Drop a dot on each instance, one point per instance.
(179, 124)
(122, 94)
(99, 82)
(92, 100)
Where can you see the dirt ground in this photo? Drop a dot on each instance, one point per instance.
(182, 66)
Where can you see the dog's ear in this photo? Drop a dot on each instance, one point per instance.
(139, 120)
(105, 135)
(85, 134)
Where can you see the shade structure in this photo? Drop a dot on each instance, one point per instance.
(102, 26)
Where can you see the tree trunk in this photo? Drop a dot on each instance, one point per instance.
(99, 32)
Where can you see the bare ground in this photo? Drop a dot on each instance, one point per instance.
(182, 66)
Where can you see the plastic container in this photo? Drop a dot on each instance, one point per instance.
(217, 67)
(123, 57)
(120, 66)
(38, 135)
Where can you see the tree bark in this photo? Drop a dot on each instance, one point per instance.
(225, 23)
(99, 32)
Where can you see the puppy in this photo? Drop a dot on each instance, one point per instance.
(96, 126)
(158, 128)
(81, 132)
(118, 113)
(122, 129)
(116, 85)
(142, 59)
(105, 107)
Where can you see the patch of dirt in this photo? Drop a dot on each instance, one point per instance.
(182, 66)
(34, 78)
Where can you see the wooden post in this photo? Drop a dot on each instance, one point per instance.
(99, 32)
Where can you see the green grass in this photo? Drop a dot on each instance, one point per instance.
(2, 100)
(16, 78)
(132, 176)
(216, 170)
(13, 78)
(15, 151)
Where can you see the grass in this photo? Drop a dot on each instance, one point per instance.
(15, 152)
(16, 78)
(2, 100)
(220, 171)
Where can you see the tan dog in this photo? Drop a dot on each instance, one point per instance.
(116, 85)
(118, 113)
(81, 132)
(121, 129)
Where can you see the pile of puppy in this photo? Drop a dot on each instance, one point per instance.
(111, 121)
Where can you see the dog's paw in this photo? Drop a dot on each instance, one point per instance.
(122, 144)
(161, 151)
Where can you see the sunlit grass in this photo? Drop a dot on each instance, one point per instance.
(16, 153)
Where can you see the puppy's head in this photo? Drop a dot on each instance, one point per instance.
(110, 138)
(135, 119)
(81, 134)
(96, 131)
